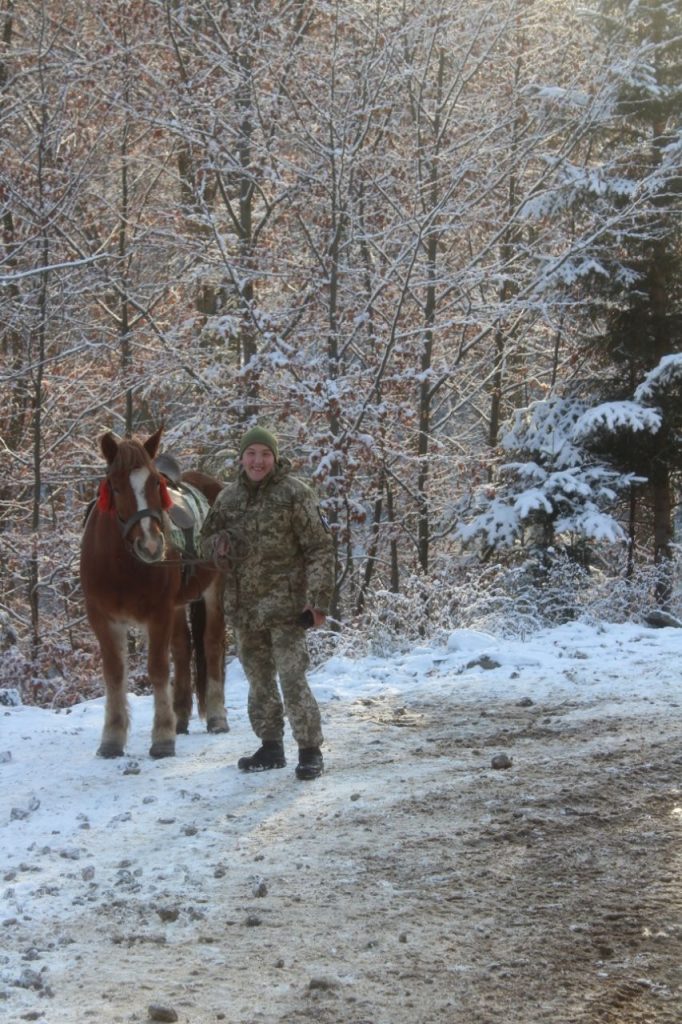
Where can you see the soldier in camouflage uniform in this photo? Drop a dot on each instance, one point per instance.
(266, 532)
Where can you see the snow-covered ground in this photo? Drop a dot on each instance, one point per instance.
(412, 882)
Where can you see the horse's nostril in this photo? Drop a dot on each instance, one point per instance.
(150, 549)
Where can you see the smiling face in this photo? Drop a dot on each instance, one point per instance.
(258, 461)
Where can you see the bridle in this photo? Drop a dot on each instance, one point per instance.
(126, 525)
(106, 503)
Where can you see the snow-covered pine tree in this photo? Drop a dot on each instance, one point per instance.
(618, 278)
(552, 494)
(628, 201)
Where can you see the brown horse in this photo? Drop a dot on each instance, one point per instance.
(131, 574)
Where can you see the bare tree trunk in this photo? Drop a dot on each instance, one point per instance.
(632, 532)
(248, 340)
(372, 551)
(430, 303)
(395, 562)
(123, 321)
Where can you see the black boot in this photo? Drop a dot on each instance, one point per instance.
(270, 755)
(310, 764)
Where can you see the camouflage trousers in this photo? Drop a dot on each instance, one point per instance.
(265, 655)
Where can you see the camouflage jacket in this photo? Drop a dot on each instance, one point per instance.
(281, 554)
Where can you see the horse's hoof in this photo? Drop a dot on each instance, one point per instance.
(181, 727)
(110, 749)
(217, 723)
(164, 748)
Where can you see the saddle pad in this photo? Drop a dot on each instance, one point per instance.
(187, 515)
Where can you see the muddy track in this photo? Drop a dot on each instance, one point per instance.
(545, 892)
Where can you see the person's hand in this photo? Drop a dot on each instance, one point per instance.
(318, 618)
(218, 550)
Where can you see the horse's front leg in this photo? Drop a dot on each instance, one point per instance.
(214, 653)
(113, 643)
(158, 667)
(181, 648)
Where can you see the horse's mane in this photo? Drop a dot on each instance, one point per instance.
(131, 454)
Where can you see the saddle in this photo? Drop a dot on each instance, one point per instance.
(188, 510)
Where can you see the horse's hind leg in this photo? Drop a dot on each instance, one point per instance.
(158, 665)
(214, 654)
(113, 638)
(181, 649)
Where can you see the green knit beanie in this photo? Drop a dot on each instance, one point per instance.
(259, 435)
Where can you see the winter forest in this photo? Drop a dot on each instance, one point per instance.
(436, 246)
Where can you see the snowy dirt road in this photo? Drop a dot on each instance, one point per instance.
(411, 884)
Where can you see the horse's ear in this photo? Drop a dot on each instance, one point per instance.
(151, 445)
(109, 446)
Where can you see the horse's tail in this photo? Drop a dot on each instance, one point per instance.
(197, 622)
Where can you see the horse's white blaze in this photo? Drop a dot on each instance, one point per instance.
(138, 479)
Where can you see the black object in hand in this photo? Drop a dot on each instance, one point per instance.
(306, 619)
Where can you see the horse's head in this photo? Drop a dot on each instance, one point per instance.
(136, 493)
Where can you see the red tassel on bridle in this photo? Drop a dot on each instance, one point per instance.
(166, 500)
(105, 498)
